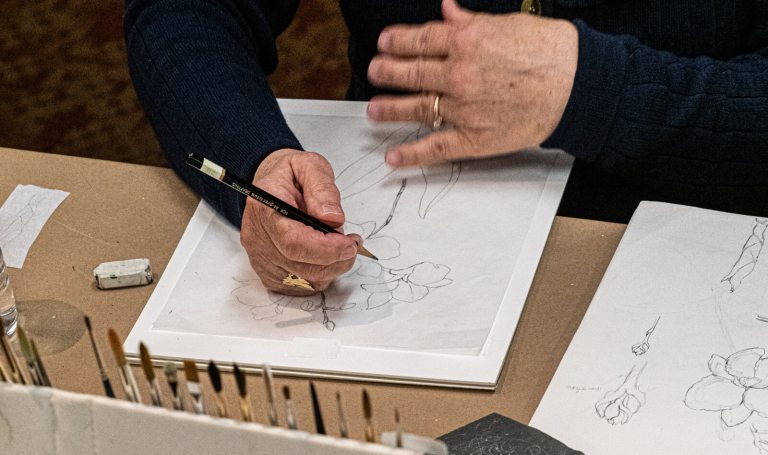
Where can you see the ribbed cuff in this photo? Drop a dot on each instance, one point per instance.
(597, 89)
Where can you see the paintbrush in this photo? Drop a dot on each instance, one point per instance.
(40, 366)
(193, 386)
(245, 404)
(215, 376)
(126, 375)
(368, 414)
(13, 361)
(343, 431)
(149, 372)
(4, 375)
(99, 362)
(170, 369)
(271, 408)
(290, 415)
(319, 425)
(26, 351)
(398, 430)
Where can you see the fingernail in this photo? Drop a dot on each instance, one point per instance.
(393, 158)
(373, 69)
(373, 111)
(331, 209)
(350, 251)
(384, 40)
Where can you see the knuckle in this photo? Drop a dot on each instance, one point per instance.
(440, 149)
(325, 188)
(423, 39)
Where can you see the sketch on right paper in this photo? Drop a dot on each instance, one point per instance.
(641, 347)
(750, 252)
(618, 406)
(736, 389)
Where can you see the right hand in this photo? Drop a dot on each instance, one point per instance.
(277, 245)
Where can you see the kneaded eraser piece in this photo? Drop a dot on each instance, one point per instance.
(122, 274)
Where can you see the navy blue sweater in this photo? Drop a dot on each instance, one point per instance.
(670, 100)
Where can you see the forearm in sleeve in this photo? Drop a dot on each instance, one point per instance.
(199, 71)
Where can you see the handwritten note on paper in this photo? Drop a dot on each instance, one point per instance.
(22, 217)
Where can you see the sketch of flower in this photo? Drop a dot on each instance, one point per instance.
(618, 406)
(407, 285)
(737, 387)
(385, 247)
(642, 347)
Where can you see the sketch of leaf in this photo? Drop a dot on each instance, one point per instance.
(618, 406)
(366, 171)
(438, 182)
(750, 252)
(642, 347)
(408, 285)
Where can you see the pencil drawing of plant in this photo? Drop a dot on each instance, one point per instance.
(642, 347)
(407, 285)
(736, 388)
(618, 406)
(759, 438)
(17, 223)
(750, 252)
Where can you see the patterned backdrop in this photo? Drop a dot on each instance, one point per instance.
(64, 84)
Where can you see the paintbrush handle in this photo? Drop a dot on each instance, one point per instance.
(154, 394)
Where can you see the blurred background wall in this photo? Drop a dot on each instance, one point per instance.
(65, 88)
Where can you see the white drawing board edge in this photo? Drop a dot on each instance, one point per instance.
(329, 359)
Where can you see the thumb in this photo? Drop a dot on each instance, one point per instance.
(314, 176)
(452, 12)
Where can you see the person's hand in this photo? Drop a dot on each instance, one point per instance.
(503, 82)
(278, 246)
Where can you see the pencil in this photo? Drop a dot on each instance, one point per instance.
(248, 189)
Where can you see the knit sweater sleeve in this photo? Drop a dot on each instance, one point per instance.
(655, 117)
(199, 70)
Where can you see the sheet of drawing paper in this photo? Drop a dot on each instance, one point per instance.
(450, 240)
(22, 217)
(671, 356)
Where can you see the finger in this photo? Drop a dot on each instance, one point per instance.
(428, 40)
(303, 244)
(453, 13)
(416, 74)
(314, 176)
(437, 147)
(406, 108)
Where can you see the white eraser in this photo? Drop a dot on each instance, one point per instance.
(121, 274)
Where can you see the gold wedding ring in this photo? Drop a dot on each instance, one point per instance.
(297, 282)
(437, 121)
(531, 7)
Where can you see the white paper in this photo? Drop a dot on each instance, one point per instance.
(22, 217)
(694, 381)
(38, 420)
(457, 234)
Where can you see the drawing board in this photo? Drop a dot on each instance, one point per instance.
(458, 245)
(672, 354)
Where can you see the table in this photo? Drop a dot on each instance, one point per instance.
(122, 211)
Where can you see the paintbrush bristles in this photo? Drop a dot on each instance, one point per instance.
(215, 376)
(367, 410)
(117, 347)
(146, 362)
(240, 380)
(286, 392)
(190, 371)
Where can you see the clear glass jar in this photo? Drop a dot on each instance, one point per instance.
(8, 313)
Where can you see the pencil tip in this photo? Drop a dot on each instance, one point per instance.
(364, 252)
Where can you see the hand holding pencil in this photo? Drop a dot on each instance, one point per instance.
(289, 226)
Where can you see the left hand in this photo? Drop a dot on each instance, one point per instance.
(503, 81)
